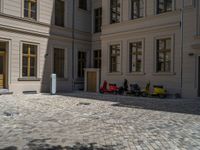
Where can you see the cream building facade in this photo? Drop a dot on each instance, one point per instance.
(141, 41)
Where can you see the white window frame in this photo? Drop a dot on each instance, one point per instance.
(173, 7)
(172, 36)
(65, 60)
(108, 54)
(21, 59)
(143, 57)
(38, 11)
(130, 11)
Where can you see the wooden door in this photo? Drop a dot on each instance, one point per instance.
(91, 82)
(2, 70)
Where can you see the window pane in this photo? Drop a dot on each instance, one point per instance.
(83, 4)
(114, 11)
(115, 58)
(135, 57)
(164, 55)
(29, 60)
(137, 7)
(59, 12)
(30, 9)
(164, 6)
(81, 63)
(59, 62)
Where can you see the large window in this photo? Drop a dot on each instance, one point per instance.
(115, 58)
(59, 12)
(29, 60)
(137, 9)
(97, 20)
(163, 58)
(97, 59)
(59, 62)
(164, 6)
(135, 61)
(30, 9)
(114, 11)
(81, 63)
(83, 4)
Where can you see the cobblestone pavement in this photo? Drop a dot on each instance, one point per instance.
(85, 121)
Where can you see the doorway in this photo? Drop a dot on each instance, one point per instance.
(3, 70)
(91, 82)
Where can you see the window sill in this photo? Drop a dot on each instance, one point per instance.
(135, 73)
(164, 74)
(29, 79)
(114, 73)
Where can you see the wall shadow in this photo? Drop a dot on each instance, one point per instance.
(185, 106)
(40, 144)
(9, 148)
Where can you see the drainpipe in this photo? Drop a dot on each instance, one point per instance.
(73, 43)
(182, 38)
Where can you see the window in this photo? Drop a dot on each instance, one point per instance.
(135, 60)
(59, 62)
(59, 12)
(97, 59)
(137, 9)
(30, 9)
(114, 11)
(81, 63)
(164, 6)
(198, 18)
(115, 58)
(163, 58)
(29, 60)
(97, 20)
(83, 4)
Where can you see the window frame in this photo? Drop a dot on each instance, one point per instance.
(110, 12)
(37, 11)
(171, 72)
(99, 18)
(142, 40)
(131, 10)
(62, 25)
(156, 8)
(21, 77)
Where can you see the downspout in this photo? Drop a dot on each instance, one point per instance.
(73, 43)
(182, 38)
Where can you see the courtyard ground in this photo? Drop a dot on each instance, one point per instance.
(85, 121)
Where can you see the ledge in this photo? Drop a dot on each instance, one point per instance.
(164, 74)
(135, 73)
(29, 79)
(114, 73)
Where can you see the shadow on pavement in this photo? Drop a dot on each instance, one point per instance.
(186, 106)
(42, 145)
(9, 148)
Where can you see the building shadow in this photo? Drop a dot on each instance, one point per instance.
(185, 106)
(9, 148)
(40, 144)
